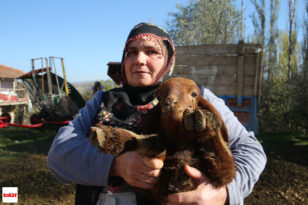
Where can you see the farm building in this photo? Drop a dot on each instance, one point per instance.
(11, 95)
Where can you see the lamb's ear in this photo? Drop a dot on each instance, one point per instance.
(150, 122)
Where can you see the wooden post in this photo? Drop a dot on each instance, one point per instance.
(260, 76)
(34, 86)
(43, 83)
(257, 72)
(64, 77)
(240, 72)
(48, 78)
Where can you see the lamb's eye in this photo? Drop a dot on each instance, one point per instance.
(194, 94)
(158, 98)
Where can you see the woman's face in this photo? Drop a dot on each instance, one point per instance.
(145, 61)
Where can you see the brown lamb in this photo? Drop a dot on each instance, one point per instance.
(183, 128)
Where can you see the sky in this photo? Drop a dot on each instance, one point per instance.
(86, 33)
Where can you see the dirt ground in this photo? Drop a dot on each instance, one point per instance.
(281, 183)
(285, 178)
(35, 183)
(23, 164)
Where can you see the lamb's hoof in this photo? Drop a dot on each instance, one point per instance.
(188, 119)
(200, 120)
(97, 137)
(194, 119)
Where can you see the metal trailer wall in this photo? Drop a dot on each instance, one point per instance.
(231, 71)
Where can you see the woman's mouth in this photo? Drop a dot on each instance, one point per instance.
(140, 72)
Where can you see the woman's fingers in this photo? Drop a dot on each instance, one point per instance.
(153, 163)
(142, 181)
(194, 173)
(154, 173)
(149, 172)
(143, 185)
(138, 170)
(152, 167)
(147, 179)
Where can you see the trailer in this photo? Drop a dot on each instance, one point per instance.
(52, 96)
(231, 71)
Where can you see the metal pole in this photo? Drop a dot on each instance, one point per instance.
(48, 78)
(64, 77)
(43, 84)
(54, 66)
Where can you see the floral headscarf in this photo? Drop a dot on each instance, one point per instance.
(147, 30)
(124, 106)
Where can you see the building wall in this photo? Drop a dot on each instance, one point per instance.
(228, 70)
(7, 83)
(233, 72)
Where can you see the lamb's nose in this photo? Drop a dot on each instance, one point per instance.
(171, 101)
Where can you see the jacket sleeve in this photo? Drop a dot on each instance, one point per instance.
(248, 153)
(72, 158)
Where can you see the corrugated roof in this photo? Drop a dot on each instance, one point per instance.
(8, 72)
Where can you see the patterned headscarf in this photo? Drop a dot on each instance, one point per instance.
(124, 106)
(147, 30)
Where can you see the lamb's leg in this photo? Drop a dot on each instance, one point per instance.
(113, 140)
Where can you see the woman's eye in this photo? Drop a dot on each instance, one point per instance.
(131, 53)
(151, 52)
(194, 94)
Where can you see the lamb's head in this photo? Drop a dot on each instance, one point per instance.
(176, 95)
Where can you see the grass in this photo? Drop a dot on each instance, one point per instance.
(287, 147)
(23, 164)
(27, 140)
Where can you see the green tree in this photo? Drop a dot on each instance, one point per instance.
(108, 84)
(275, 111)
(291, 49)
(205, 22)
(270, 93)
(304, 69)
(292, 10)
(282, 93)
(273, 33)
(301, 107)
(258, 21)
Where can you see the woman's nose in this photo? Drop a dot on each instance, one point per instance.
(141, 58)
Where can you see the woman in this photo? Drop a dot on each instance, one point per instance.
(96, 87)
(148, 59)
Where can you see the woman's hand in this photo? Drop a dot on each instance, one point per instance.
(205, 193)
(136, 169)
